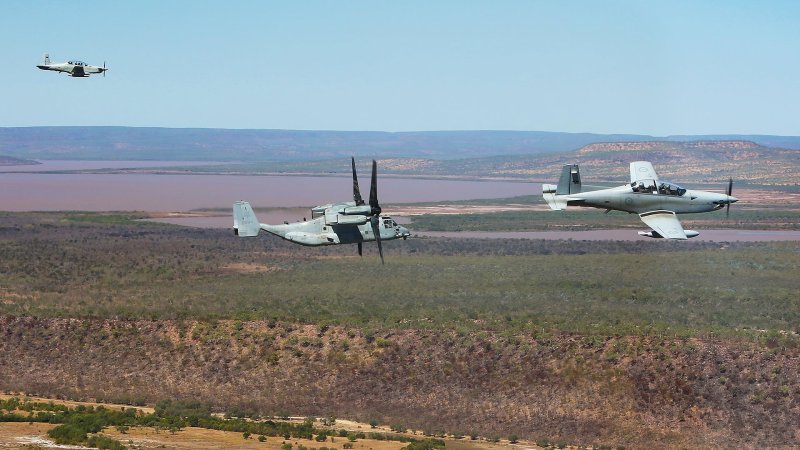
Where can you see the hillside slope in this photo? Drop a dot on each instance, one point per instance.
(632, 391)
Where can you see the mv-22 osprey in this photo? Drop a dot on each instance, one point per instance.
(335, 223)
(76, 69)
(656, 202)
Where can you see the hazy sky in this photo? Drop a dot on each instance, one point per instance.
(667, 67)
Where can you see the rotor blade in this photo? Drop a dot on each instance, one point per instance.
(376, 230)
(356, 192)
(373, 190)
(360, 250)
(728, 193)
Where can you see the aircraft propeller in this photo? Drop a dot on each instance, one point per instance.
(375, 207)
(727, 202)
(356, 192)
(728, 195)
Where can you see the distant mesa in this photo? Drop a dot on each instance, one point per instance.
(668, 145)
(11, 161)
(207, 144)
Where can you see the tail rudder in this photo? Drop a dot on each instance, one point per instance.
(245, 223)
(46, 59)
(570, 181)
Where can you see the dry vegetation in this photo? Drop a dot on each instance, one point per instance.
(614, 343)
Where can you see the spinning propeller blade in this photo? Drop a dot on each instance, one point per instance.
(373, 190)
(375, 221)
(375, 207)
(728, 194)
(356, 192)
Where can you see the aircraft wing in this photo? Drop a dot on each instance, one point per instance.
(643, 170)
(664, 223)
(77, 71)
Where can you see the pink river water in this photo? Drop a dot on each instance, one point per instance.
(25, 188)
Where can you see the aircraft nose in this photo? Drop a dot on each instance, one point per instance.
(732, 199)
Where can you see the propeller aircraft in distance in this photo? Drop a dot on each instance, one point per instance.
(76, 69)
(335, 223)
(655, 201)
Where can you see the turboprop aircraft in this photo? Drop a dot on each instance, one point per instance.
(77, 69)
(335, 223)
(657, 202)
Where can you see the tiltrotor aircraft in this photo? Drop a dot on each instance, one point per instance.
(77, 69)
(657, 202)
(335, 223)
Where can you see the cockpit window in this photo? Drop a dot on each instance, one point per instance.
(670, 189)
(389, 223)
(663, 188)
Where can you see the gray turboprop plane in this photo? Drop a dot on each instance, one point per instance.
(335, 223)
(76, 69)
(656, 202)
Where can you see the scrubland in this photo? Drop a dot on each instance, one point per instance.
(636, 344)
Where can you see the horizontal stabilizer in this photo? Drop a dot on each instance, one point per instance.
(553, 201)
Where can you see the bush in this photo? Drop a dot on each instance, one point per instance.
(104, 443)
(68, 434)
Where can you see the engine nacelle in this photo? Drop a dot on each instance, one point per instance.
(363, 210)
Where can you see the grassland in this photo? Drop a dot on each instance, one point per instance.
(632, 343)
(593, 219)
(81, 265)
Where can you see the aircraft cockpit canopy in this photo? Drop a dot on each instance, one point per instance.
(665, 188)
(388, 222)
(662, 187)
(77, 63)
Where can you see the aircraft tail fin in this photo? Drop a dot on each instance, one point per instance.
(245, 223)
(568, 184)
(46, 59)
(570, 181)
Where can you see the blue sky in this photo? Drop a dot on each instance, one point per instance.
(671, 67)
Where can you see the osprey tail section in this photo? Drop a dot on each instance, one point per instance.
(568, 184)
(245, 223)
